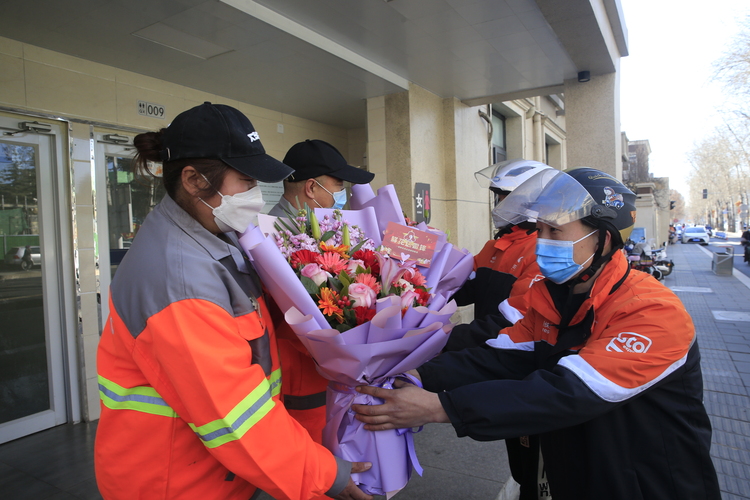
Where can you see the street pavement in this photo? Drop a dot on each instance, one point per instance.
(718, 305)
(462, 468)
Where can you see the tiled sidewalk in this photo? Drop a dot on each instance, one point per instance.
(720, 307)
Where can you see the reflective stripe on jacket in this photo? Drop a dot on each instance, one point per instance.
(514, 254)
(189, 378)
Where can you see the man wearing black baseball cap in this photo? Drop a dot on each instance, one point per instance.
(318, 180)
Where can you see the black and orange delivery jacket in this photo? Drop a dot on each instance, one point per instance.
(189, 378)
(616, 396)
(504, 269)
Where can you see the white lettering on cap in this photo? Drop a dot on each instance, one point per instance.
(253, 136)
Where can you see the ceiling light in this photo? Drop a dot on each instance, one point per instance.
(178, 40)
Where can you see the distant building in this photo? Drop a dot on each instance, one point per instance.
(652, 192)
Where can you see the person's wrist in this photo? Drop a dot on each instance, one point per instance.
(439, 416)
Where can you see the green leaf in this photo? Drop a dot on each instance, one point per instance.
(309, 285)
(334, 284)
(362, 270)
(350, 317)
(344, 278)
(342, 327)
(294, 230)
(357, 247)
(327, 236)
(345, 282)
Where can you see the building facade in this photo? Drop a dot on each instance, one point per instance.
(652, 194)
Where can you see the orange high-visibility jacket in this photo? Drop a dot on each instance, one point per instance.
(189, 378)
(513, 254)
(304, 389)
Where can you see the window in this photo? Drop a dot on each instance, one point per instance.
(498, 138)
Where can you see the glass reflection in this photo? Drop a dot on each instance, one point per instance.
(129, 201)
(24, 380)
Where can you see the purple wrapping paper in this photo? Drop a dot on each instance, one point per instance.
(386, 204)
(454, 271)
(373, 353)
(450, 267)
(278, 276)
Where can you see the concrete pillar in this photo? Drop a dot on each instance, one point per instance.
(592, 119)
(646, 214)
(417, 136)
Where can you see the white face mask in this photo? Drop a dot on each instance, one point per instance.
(238, 211)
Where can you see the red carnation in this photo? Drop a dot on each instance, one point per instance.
(363, 314)
(303, 257)
(414, 277)
(423, 296)
(368, 257)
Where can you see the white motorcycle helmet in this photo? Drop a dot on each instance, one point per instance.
(504, 177)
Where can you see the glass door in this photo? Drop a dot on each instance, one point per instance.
(123, 202)
(32, 380)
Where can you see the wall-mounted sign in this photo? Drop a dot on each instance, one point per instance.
(152, 110)
(422, 202)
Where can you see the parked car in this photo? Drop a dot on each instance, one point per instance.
(695, 234)
(14, 257)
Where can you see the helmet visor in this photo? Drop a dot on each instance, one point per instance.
(484, 176)
(507, 175)
(552, 197)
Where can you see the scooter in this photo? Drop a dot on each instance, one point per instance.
(660, 261)
(641, 259)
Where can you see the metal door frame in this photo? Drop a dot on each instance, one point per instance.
(54, 202)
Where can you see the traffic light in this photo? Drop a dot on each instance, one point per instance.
(705, 194)
(672, 204)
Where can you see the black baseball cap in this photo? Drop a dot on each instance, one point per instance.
(314, 158)
(224, 133)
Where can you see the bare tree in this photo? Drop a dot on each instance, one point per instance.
(733, 68)
(720, 167)
(679, 211)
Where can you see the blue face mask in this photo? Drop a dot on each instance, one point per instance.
(339, 197)
(555, 258)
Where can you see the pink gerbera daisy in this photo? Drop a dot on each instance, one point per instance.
(369, 280)
(332, 262)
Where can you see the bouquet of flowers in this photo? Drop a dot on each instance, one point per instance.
(365, 316)
(342, 272)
